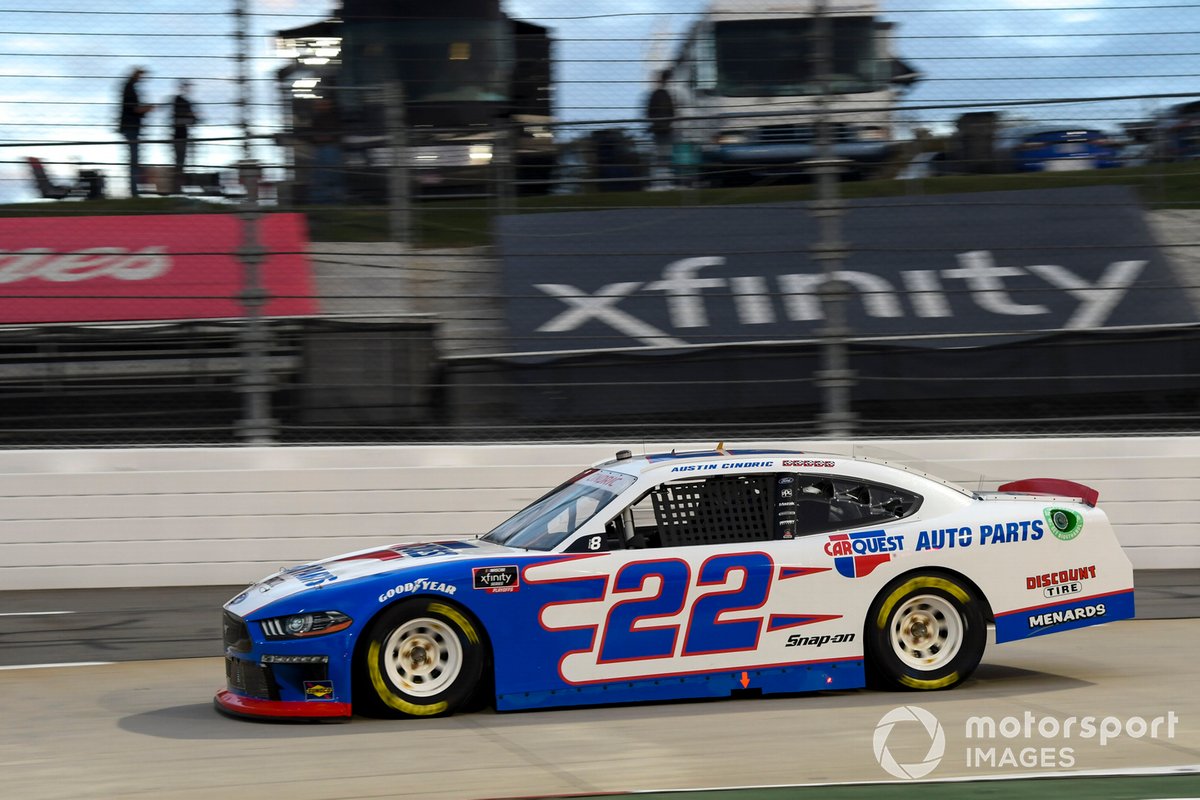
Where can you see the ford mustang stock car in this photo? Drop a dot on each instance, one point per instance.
(682, 575)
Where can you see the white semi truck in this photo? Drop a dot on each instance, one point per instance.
(746, 86)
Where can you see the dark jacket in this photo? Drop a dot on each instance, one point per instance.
(660, 110)
(183, 116)
(132, 109)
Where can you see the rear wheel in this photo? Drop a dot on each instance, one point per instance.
(925, 632)
(420, 658)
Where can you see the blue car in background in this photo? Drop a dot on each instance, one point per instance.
(1058, 148)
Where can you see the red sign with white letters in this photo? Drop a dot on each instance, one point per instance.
(91, 269)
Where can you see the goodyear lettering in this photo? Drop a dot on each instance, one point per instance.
(944, 538)
(1048, 579)
(1051, 618)
(796, 640)
(418, 585)
(807, 463)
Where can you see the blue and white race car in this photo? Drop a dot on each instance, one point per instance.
(679, 575)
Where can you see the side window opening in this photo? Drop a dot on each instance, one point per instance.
(733, 508)
(634, 528)
(690, 511)
(755, 507)
(830, 503)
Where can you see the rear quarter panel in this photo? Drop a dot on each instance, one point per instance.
(1035, 579)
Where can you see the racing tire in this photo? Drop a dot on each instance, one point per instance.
(924, 632)
(422, 657)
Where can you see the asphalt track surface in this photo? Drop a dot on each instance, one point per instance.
(144, 726)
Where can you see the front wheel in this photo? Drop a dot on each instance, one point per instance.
(925, 632)
(420, 658)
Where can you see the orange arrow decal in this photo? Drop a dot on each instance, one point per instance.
(745, 680)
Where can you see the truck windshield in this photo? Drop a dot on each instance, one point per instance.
(555, 516)
(438, 60)
(774, 57)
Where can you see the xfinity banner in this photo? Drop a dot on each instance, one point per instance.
(82, 269)
(1012, 264)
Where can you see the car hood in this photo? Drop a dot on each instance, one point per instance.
(367, 563)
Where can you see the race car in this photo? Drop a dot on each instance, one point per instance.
(682, 575)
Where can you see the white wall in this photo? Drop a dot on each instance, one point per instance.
(198, 516)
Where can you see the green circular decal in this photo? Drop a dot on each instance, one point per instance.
(1064, 524)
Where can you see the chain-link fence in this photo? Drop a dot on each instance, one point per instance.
(379, 221)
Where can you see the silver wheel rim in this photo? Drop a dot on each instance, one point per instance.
(422, 657)
(927, 632)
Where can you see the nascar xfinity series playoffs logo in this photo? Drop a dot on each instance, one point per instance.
(856, 555)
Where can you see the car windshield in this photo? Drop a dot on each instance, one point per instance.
(555, 516)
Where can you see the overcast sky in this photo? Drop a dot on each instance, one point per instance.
(64, 61)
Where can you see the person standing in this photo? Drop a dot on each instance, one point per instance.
(183, 117)
(660, 111)
(133, 110)
(328, 179)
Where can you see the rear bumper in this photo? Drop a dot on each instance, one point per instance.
(237, 705)
(1054, 617)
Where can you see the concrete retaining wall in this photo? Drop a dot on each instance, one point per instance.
(200, 516)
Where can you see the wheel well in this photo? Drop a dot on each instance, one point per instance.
(988, 616)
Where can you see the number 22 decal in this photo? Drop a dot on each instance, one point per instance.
(624, 640)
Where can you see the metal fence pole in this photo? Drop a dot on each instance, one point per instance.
(399, 181)
(504, 167)
(835, 376)
(242, 57)
(256, 425)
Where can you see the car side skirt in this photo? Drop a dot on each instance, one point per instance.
(813, 676)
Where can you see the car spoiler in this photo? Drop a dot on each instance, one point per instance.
(1055, 486)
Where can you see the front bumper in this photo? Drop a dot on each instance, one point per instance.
(253, 708)
(777, 156)
(297, 679)
(268, 691)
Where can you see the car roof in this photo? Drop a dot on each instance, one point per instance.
(646, 461)
(668, 463)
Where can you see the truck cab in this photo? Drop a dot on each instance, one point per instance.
(749, 88)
